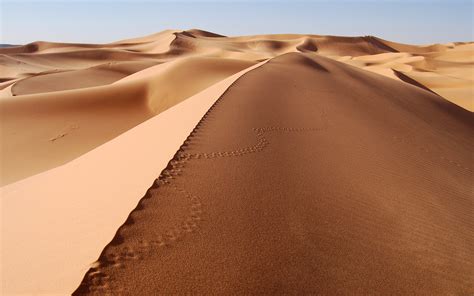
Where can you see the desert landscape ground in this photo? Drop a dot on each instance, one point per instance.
(190, 162)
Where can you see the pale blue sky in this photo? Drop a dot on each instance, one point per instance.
(418, 21)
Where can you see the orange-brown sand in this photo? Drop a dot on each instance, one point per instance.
(341, 166)
(307, 176)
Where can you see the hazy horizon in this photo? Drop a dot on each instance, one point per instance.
(416, 22)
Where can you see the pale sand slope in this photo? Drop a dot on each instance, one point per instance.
(307, 176)
(55, 224)
(76, 115)
(43, 131)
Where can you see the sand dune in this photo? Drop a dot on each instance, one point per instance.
(80, 76)
(445, 69)
(94, 76)
(69, 123)
(340, 166)
(44, 224)
(350, 186)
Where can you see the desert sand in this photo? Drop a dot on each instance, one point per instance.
(96, 193)
(326, 164)
(95, 98)
(330, 192)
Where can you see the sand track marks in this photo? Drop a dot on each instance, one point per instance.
(116, 254)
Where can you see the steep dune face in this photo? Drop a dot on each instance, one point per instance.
(307, 176)
(38, 79)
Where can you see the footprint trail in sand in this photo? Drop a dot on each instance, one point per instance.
(303, 178)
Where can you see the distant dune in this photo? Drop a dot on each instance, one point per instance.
(308, 164)
(7, 45)
(88, 85)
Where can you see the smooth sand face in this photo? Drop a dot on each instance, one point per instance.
(348, 187)
(305, 168)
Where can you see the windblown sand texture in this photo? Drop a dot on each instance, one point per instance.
(329, 192)
(307, 176)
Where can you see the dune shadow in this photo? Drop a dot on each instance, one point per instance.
(411, 81)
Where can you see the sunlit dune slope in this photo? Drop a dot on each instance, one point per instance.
(45, 130)
(102, 186)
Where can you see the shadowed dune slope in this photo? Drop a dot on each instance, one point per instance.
(95, 76)
(307, 176)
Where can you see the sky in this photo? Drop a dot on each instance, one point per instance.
(407, 21)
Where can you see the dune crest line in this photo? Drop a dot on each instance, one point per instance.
(323, 201)
(190, 223)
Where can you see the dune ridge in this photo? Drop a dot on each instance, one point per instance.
(89, 117)
(265, 188)
(41, 226)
